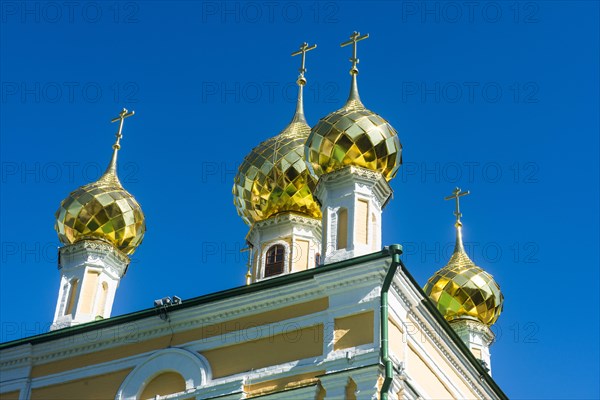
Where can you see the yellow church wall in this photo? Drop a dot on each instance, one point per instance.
(300, 255)
(291, 345)
(441, 362)
(422, 373)
(95, 387)
(286, 383)
(179, 338)
(10, 395)
(396, 338)
(353, 330)
(164, 384)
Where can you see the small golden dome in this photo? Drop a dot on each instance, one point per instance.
(102, 210)
(274, 177)
(463, 290)
(354, 135)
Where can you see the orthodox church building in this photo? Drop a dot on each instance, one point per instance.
(328, 311)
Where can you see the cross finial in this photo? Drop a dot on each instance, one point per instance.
(456, 193)
(122, 115)
(354, 38)
(304, 47)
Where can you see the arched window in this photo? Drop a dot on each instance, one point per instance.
(275, 259)
(342, 229)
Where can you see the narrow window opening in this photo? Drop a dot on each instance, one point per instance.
(72, 296)
(102, 301)
(342, 229)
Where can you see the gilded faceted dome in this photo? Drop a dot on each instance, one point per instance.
(354, 135)
(274, 177)
(102, 210)
(463, 290)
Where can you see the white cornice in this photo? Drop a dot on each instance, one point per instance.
(93, 252)
(364, 178)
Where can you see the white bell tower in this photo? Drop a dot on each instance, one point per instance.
(90, 273)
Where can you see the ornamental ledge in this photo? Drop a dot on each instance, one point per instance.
(94, 245)
(351, 170)
(19, 362)
(288, 217)
(365, 179)
(402, 296)
(473, 326)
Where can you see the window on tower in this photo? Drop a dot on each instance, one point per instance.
(275, 259)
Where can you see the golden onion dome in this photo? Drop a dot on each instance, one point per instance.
(462, 290)
(102, 210)
(354, 135)
(274, 178)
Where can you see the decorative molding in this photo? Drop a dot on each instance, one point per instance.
(95, 252)
(364, 179)
(288, 217)
(473, 326)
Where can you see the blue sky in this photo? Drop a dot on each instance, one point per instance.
(499, 98)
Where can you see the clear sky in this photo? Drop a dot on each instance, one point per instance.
(499, 98)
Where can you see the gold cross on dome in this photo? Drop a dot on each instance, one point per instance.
(304, 47)
(122, 115)
(456, 193)
(354, 38)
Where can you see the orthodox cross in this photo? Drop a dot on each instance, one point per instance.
(122, 115)
(354, 38)
(456, 194)
(304, 47)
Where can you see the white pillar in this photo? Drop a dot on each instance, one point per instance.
(90, 272)
(352, 200)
